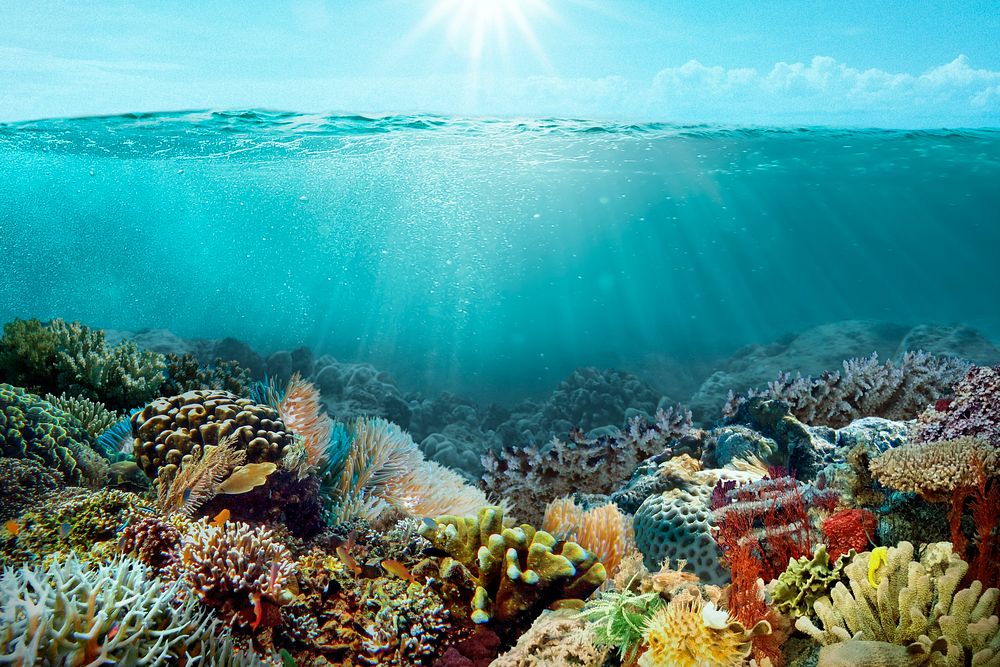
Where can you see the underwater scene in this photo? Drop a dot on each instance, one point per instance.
(515, 384)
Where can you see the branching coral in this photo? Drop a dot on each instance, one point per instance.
(687, 632)
(865, 388)
(404, 624)
(934, 470)
(112, 613)
(604, 531)
(31, 428)
(92, 415)
(517, 570)
(898, 600)
(238, 570)
(184, 373)
(980, 495)
(974, 409)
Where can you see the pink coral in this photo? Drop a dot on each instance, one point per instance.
(974, 410)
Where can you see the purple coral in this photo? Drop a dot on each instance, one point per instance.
(974, 409)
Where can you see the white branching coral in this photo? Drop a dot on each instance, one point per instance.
(865, 388)
(111, 613)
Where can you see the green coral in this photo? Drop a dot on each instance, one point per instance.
(805, 581)
(93, 416)
(32, 428)
(518, 570)
(77, 522)
(70, 357)
(111, 613)
(912, 601)
(619, 618)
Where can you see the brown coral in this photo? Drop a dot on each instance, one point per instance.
(150, 540)
(171, 431)
(933, 471)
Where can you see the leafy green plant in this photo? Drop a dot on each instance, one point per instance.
(619, 618)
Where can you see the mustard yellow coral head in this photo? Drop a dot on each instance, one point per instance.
(677, 636)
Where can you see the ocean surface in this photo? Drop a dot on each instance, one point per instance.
(491, 257)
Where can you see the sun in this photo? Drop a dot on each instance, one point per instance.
(475, 26)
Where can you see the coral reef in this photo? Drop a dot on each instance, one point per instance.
(184, 373)
(240, 571)
(865, 388)
(406, 623)
(93, 416)
(168, 430)
(934, 470)
(849, 529)
(972, 411)
(899, 600)
(31, 428)
(517, 570)
(677, 525)
(23, 483)
(151, 541)
(67, 613)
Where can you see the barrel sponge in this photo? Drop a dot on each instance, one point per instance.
(169, 430)
(677, 525)
(32, 428)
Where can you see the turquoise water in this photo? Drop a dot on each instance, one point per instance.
(491, 257)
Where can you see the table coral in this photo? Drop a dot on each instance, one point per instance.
(170, 429)
(517, 570)
(32, 428)
(912, 601)
(111, 613)
(934, 470)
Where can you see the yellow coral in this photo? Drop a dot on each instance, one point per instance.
(677, 636)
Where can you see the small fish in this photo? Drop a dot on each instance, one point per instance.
(258, 611)
(348, 560)
(434, 552)
(395, 568)
(64, 529)
(186, 496)
(13, 527)
(879, 557)
(430, 523)
(113, 632)
(220, 519)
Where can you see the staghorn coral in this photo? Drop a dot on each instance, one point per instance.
(31, 428)
(238, 570)
(92, 415)
(404, 624)
(806, 580)
(517, 570)
(77, 522)
(171, 431)
(973, 410)
(911, 601)
(23, 483)
(532, 476)
(934, 470)
(110, 613)
(687, 633)
(603, 531)
(556, 639)
(151, 540)
(865, 388)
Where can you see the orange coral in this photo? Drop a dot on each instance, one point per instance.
(304, 415)
(604, 531)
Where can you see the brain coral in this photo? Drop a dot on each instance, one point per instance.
(31, 428)
(933, 471)
(677, 525)
(169, 429)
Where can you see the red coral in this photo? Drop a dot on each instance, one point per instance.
(982, 500)
(848, 529)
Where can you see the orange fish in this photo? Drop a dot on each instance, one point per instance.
(349, 561)
(220, 519)
(396, 568)
(13, 527)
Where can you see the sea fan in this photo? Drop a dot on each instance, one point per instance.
(303, 413)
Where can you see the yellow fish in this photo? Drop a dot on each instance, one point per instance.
(13, 527)
(395, 568)
(879, 557)
(220, 519)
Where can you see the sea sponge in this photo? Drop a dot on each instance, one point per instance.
(236, 569)
(685, 633)
(109, 613)
(934, 470)
(806, 580)
(677, 525)
(32, 428)
(911, 601)
(168, 430)
(518, 570)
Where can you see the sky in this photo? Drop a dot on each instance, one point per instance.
(917, 63)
